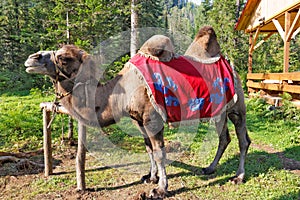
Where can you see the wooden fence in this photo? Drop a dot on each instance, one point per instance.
(273, 84)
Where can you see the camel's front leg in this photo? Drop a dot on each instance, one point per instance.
(154, 129)
(152, 176)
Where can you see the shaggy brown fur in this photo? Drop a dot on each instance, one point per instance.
(159, 46)
(205, 44)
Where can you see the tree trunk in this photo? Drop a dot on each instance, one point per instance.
(134, 23)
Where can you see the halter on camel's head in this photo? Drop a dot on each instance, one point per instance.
(60, 62)
(62, 65)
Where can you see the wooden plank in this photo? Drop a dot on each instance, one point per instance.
(292, 76)
(263, 40)
(254, 40)
(286, 48)
(295, 33)
(49, 107)
(275, 87)
(250, 55)
(279, 28)
(293, 26)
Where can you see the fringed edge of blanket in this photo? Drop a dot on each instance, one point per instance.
(146, 55)
(150, 95)
(205, 61)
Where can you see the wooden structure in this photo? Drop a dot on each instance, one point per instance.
(269, 17)
(47, 108)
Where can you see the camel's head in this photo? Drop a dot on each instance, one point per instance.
(65, 62)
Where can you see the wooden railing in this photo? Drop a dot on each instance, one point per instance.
(274, 82)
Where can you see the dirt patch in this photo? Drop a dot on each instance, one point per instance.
(16, 183)
(288, 164)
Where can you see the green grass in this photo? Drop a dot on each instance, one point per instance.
(21, 129)
(21, 121)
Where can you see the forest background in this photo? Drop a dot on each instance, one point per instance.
(27, 26)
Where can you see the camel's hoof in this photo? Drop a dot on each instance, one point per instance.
(236, 180)
(146, 179)
(207, 171)
(157, 194)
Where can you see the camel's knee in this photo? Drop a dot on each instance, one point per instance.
(238, 119)
(159, 155)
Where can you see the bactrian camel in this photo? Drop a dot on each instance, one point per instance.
(74, 74)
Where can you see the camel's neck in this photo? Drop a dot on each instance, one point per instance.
(92, 102)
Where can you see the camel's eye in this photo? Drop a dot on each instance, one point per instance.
(64, 60)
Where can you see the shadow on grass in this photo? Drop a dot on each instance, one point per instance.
(257, 162)
(289, 196)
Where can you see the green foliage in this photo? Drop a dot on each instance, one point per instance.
(287, 111)
(115, 67)
(277, 127)
(17, 82)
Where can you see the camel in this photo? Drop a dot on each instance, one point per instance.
(205, 47)
(75, 77)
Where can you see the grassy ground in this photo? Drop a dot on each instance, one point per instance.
(272, 165)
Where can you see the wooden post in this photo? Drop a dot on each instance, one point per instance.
(286, 49)
(250, 53)
(71, 126)
(80, 158)
(47, 143)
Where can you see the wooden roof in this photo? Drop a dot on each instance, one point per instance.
(260, 13)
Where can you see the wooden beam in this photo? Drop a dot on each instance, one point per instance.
(296, 32)
(250, 54)
(286, 48)
(263, 40)
(275, 87)
(290, 32)
(292, 76)
(254, 40)
(279, 28)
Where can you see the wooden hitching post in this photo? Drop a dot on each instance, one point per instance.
(80, 158)
(47, 143)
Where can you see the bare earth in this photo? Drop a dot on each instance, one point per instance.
(15, 181)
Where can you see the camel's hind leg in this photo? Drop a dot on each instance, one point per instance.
(238, 118)
(224, 140)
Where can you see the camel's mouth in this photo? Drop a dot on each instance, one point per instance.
(34, 67)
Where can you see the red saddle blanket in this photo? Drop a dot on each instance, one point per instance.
(184, 89)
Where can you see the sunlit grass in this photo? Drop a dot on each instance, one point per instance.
(21, 129)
